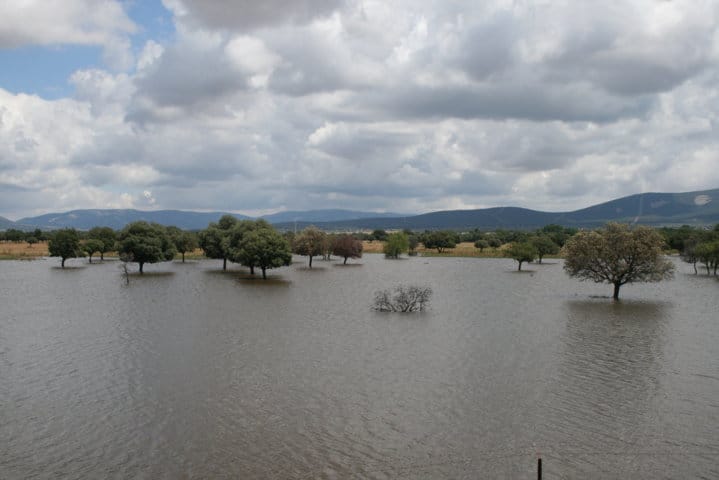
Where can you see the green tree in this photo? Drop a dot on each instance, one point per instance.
(481, 244)
(708, 254)
(14, 235)
(521, 252)
(107, 236)
(237, 234)
(265, 248)
(310, 242)
(91, 246)
(65, 244)
(184, 241)
(143, 242)
(440, 239)
(413, 243)
(396, 244)
(617, 255)
(379, 234)
(544, 246)
(494, 242)
(347, 246)
(215, 239)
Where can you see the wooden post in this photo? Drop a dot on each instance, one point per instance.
(539, 468)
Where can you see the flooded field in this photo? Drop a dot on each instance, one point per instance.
(189, 372)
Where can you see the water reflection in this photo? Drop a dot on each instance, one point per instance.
(607, 383)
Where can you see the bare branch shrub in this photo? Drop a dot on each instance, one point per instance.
(410, 298)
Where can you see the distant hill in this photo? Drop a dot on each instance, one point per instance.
(691, 208)
(117, 219)
(310, 216)
(6, 224)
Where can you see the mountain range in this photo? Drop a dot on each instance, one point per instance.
(691, 208)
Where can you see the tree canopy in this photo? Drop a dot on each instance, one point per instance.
(544, 246)
(310, 242)
(65, 244)
(143, 242)
(617, 255)
(347, 246)
(264, 248)
(106, 235)
(396, 244)
(522, 252)
(184, 241)
(215, 239)
(440, 239)
(90, 246)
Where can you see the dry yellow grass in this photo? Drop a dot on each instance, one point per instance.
(464, 249)
(22, 250)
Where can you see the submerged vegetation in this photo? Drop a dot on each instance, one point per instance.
(403, 299)
(616, 254)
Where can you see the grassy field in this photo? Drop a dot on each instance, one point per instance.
(464, 249)
(22, 250)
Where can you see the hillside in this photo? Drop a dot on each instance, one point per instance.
(6, 224)
(335, 215)
(691, 208)
(117, 219)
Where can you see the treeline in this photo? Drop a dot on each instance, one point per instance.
(257, 244)
(696, 246)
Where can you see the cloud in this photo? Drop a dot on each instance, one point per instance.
(246, 15)
(403, 106)
(70, 22)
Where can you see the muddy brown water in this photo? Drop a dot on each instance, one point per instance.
(193, 373)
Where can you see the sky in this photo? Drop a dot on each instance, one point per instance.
(382, 105)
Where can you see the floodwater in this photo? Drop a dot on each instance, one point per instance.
(188, 372)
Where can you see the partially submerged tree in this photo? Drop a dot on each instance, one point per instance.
(237, 235)
(184, 241)
(107, 236)
(91, 246)
(65, 244)
(617, 255)
(544, 246)
(265, 248)
(708, 254)
(347, 246)
(215, 239)
(402, 299)
(310, 242)
(521, 252)
(396, 244)
(143, 242)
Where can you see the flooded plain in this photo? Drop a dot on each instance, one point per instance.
(189, 372)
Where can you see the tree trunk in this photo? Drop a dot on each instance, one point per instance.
(310, 261)
(224, 264)
(519, 268)
(252, 269)
(264, 273)
(616, 291)
(540, 259)
(696, 272)
(345, 261)
(102, 256)
(183, 257)
(141, 265)
(62, 263)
